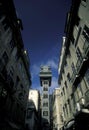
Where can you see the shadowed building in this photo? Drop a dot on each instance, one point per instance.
(15, 79)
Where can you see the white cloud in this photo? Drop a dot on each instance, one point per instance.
(54, 84)
(52, 63)
(35, 70)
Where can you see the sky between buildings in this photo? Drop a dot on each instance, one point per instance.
(43, 23)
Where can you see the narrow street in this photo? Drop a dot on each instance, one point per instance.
(44, 65)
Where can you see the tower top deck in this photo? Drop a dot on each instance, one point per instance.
(45, 74)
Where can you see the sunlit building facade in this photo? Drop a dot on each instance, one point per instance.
(57, 109)
(15, 79)
(74, 67)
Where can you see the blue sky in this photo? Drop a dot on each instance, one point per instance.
(43, 23)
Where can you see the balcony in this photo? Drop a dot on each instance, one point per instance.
(74, 77)
(81, 112)
(86, 49)
(87, 99)
(79, 106)
(79, 64)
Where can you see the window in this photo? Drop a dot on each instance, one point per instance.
(78, 52)
(45, 104)
(11, 72)
(45, 88)
(1, 64)
(61, 94)
(64, 111)
(87, 76)
(12, 44)
(20, 96)
(17, 81)
(85, 33)
(72, 40)
(16, 56)
(66, 108)
(45, 82)
(61, 118)
(66, 63)
(69, 105)
(45, 96)
(11, 82)
(5, 57)
(5, 24)
(73, 67)
(79, 91)
(78, 36)
(45, 113)
(69, 55)
(21, 86)
(10, 77)
(29, 113)
(63, 91)
(77, 21)
(68, 76)
(73, 98)
(66, 85)
(20, 66)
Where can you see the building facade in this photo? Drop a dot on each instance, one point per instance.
(57, 109)
(74, 67)
(45, 81)
(15, 79)
(33, 121)
(51, 110)
(35, 96)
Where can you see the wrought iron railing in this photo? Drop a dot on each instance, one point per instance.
(79, 64)
(86, 48)
(87, 97)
